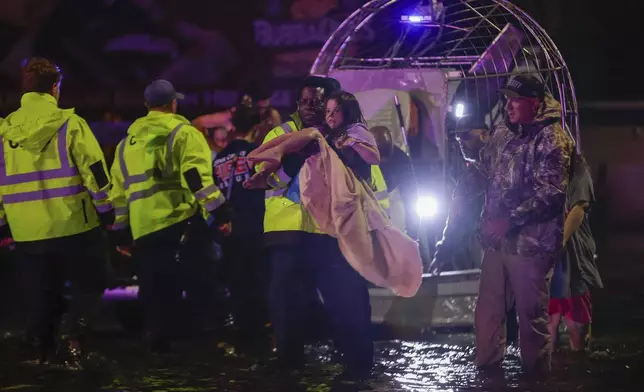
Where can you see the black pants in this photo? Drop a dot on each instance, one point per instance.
(77, 269)
(173, 260)
(246, 276)
(345, 296)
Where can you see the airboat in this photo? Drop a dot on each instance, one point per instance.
(417, 68)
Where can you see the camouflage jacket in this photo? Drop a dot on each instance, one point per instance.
(464, 211)
(527, 171)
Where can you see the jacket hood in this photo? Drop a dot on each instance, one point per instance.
(36, 122)
(155, 124)
(549, 112)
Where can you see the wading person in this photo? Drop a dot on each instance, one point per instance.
(165, 197)
(302, 258)
(246, 271)
(527, 160)
(53, 189)
(576, 273)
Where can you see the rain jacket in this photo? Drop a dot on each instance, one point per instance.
(162, 175)
(464, 211)
(528, 174)
(53, 176)
(285, 220)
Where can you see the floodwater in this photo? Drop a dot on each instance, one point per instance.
(440, 362)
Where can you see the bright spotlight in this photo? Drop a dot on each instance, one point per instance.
(459, 112)
(426, 206)
(415, 18)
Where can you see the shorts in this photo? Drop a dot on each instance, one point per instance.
(577, 309)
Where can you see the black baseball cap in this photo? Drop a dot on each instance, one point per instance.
(330, 85)
(525, 86)
(160, 93)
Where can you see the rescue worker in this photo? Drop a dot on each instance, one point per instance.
(302, 258)
(243, 253)
(460, 235)
(460, 230)
(54, 199)
(527, 160)
(163, 184)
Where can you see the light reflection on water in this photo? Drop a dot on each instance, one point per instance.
(443, 364)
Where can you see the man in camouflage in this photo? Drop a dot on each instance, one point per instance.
(527, 161)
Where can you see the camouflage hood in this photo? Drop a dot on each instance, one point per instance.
(549, 112)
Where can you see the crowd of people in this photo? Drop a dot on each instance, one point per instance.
(175, 186)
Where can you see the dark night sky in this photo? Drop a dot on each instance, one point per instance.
(601, 44)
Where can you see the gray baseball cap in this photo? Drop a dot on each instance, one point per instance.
(160, 93)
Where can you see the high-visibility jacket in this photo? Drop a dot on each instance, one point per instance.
(53, 176)
(379, 187)
(162, 175)
(284, 213)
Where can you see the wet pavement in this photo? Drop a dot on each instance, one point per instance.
(436, 362)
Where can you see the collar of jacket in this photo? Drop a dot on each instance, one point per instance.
(297, 120)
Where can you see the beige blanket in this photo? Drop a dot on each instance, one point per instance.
(346, 209)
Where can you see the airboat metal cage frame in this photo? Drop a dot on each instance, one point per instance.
(478, 43)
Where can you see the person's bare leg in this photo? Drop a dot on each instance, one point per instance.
(577, 332)
(553, 328)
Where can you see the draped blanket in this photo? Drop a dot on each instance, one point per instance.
(345, 208)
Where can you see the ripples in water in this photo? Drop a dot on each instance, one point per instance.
(443, 364)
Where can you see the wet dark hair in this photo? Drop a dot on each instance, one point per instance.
(351, 112)
(40, 75)
(329, 85)
(245, 118)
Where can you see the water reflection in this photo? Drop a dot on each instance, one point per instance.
(442, 364)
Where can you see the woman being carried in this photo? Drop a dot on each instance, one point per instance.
(348, 135)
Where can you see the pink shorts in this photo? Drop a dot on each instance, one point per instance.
(577, 309)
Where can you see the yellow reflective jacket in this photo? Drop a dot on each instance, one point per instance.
(284, 214)
(53, 176)
(162, 174)
(379, 187)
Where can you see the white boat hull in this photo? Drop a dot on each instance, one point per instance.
(446, 300)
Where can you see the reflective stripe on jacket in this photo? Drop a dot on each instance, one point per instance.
(379, 187)
(162, 174)
(53, 176)
(284, 213)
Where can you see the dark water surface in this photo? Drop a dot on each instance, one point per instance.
(436, 362)
(442, 362)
